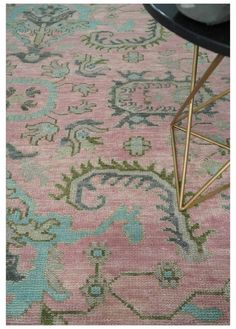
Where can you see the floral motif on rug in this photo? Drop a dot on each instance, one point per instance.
(94, 235)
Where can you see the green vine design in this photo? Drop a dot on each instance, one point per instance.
(103, 39)
(199, 240)
(183, 233)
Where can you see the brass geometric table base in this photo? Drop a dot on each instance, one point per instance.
(195, 86)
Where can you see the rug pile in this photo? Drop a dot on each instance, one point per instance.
(94, 235)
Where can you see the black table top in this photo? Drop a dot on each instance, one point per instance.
(214, 37)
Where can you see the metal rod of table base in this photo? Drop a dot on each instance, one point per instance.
(205, 104)
(191, 202)
(199, 83)
(209, 140)
(189, 125)
(195, 86)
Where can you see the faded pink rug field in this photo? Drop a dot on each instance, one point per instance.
(94, 233)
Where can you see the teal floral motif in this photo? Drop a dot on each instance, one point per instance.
(95, 290)
(56, 70)
(97, 253)
(40, 18)
(85, 89)
(31, 170)
(33, 230)
(90, 66)
(168, 275)
(22, 99)
(33, 90)
(137, 146)
(84, 107)
(40, 131)
(81, 135)
(133, 57)
(43, 25)
(210, 166)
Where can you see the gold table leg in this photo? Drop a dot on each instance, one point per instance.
(195, 86)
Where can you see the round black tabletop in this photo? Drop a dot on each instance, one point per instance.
(212, 37)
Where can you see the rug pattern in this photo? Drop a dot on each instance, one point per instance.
(94, 235)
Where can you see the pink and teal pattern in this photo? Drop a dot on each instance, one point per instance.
(94, 235)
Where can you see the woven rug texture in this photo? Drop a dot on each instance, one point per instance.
(94, 235)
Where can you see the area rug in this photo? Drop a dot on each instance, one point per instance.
(94, 232)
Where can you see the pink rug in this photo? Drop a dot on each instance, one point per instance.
(94, 234)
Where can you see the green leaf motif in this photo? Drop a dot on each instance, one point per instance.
(85, 89)
(56, 70)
